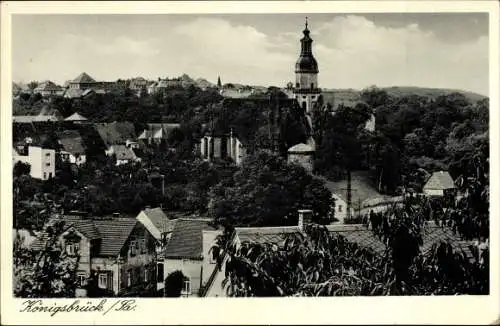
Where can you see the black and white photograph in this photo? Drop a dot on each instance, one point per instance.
(225, 155)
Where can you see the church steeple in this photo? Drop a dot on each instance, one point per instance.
(219, 84)
(306, 61)
(306, 73)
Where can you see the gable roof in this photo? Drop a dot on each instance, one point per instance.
(159, 219)
(116, 133)
(83, 78)
(113, 232)
(71, 141)
(76, 117)
(265, 234)
(47, 86)
(158, 130)
(359, 234)
(186, 241)
(122, 152)
(440, 180)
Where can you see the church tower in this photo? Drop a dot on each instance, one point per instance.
(306, 75)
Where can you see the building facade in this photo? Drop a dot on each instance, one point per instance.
(42, 161)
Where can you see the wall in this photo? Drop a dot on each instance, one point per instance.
(190, 268)
(305, 79)
(433, 192)
(40, 160)
(304, 159)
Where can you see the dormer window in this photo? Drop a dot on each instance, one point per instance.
(72, 248)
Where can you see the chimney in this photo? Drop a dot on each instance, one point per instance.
(305, 217)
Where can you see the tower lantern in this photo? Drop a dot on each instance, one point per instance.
(306, 74)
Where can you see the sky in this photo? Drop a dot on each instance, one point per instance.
(441, 50)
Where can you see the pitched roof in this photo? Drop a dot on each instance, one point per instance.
(47, 86)
(186, 241)
(159, 219)
(359, 234)
(113, 232)
(440, 180)
(83, 78)
(265, 234)
(71, 141)
(73, 93)
(116, 133)
(122, 152)
(301, 148)
(76, 117)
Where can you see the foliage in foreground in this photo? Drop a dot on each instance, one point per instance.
(47, 273)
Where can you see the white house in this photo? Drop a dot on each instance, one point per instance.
(439, 184)
(41, 160)
(73, 148)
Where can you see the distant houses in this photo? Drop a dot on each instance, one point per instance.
(48, 88)
(220, 146)
(72, 147)
(157, 133)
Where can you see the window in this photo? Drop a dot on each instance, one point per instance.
(303, 97)
(340, 208)
(186, 288)
(50, 175)
(103, 281)
(143, 246)
(47, 154)
(81, 279)
(72, 248)
(312, 85)
(44, 175)
(133, 248)
(160, 272)
(297, 85)
(129, 278)
(146, 274)
(47, 164)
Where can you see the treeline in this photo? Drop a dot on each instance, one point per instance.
(414, 136)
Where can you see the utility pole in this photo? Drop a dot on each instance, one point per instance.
(349, 194)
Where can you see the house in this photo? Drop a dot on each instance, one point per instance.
(138, 85)
(160, 226)
(119, 251)
(362, 190)
(76, 117)
(42, 161)
(188, 251)
(72, 147)
(302, 154)
(45, 115)
(83, 82)
(48, 88)
(156, 133)
(221, 146)
(439, 184)
(117, 133)
(123, 154)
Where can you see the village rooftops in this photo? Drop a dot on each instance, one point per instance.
(186, 241)
(156, 221)
(123, 152)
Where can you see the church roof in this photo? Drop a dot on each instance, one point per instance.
(306, 61)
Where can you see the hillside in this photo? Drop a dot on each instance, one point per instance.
(352, 95)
